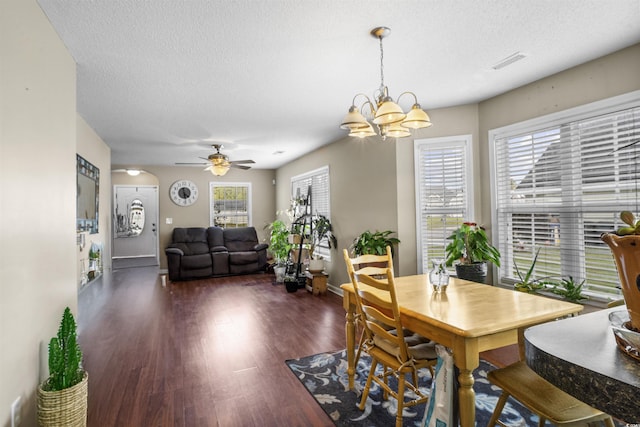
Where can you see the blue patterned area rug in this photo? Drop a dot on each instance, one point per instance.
(324, 375)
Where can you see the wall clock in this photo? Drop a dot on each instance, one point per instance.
(183, 192)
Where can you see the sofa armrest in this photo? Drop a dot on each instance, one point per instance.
(174, 251)
(260, 247)
(219, 249)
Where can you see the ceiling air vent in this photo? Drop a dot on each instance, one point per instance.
(509, 60)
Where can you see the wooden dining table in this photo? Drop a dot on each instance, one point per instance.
(468, 318)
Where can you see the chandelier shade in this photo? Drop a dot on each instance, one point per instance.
(417, 118)
(363, 132)
(386, 114)
(354, 120)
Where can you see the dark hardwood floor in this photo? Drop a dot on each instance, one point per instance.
(206, 352)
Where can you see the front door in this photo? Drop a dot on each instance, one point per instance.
(135, 225)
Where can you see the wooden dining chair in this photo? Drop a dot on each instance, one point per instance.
(542, 398)
(372, 265)
(399, 351)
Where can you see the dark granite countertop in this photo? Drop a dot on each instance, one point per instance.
(580, 356)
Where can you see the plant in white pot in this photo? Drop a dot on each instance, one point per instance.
(470, 250)
(321, 231)
(62, 398)
(279, 247)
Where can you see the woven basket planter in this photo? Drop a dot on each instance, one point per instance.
(64, 408)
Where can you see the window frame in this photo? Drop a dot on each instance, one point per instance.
(562, 121)
(324, 173)
(464, 141)
(215, 184)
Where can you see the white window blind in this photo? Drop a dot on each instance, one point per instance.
(559, 186)
(443, 193)
(318, 181)
(230, 204)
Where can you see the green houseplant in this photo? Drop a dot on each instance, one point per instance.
(62, 398)
(527, 283)
(470, 250)
(569, 289)
(279, 246)
(374, 243)
(321, 230)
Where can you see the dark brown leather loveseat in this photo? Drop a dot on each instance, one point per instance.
(198, 252)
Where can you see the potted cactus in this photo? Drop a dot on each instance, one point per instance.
(62, 398)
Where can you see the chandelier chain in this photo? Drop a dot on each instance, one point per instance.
(381, 65)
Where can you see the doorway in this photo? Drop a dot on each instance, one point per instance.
(135, 226)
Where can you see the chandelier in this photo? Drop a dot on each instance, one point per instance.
(391, 121)
(220, 164)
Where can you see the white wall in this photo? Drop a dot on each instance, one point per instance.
(37, 197)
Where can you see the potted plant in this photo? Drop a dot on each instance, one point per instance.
(527, 283)
(321, 230)
(291, 283)
(569, 289)
(62, 398)
(374, 243)
(470, 250)
(624, 244)
(279, 246)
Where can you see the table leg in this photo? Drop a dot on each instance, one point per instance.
(467, 358)
(467, 398)
(350, 330)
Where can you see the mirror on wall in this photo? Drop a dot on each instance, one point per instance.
(88, 191)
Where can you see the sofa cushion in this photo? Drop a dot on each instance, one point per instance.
(195, 262)
(242, 258)
(215, 237)
(240, 239)
(191, 241)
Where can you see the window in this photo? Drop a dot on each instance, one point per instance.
(560, 182)
(230, 204)
(444, 199)
(318, 181)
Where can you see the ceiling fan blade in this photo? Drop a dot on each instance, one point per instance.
(196, 164)
(239, 166)
(242, 161)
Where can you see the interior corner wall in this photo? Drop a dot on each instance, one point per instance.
(362, 186)
(37, 198)
(93, 149)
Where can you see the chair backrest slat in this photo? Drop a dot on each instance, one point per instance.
(376, 301)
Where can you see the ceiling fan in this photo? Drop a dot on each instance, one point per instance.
(219, 164)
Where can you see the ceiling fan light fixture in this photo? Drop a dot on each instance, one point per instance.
(219, 170)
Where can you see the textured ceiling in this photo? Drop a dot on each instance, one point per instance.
(161, 80)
